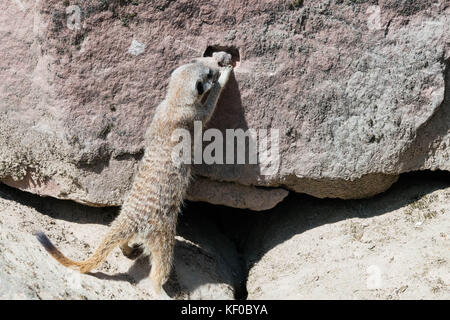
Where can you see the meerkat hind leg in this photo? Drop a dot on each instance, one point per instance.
(161, 260)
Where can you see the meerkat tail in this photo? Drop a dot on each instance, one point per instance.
(112, 240)
(53, 251)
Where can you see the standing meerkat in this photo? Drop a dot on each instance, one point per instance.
(151, 208)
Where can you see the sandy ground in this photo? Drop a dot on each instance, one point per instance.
(393, 246)
(28, 272)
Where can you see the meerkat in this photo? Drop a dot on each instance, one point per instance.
(149, 212)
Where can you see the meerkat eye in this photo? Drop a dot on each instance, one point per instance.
(199, 87)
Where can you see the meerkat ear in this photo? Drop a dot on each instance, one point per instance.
(199, 87)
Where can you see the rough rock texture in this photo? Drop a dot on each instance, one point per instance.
(235, 195)
(205, 266)
(394, 246)
(358, 89)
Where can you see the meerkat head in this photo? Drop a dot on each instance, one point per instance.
(190, 83)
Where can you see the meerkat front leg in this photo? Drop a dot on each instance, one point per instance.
(215, 92)
(224, 76)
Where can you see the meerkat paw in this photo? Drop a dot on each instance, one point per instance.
(225, 75)
(159, 292)
(133, 252)
(162, 295)
(223, 58)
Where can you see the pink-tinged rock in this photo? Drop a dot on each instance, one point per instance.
(359, 92)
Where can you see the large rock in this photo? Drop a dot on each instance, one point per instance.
(206, 264)
(359, 92)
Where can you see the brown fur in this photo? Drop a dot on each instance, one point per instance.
(150, 211)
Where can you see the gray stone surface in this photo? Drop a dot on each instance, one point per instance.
(359, 92)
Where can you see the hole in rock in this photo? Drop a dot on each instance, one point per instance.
(235, 56)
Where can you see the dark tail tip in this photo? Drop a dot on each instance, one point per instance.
(45, 241)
